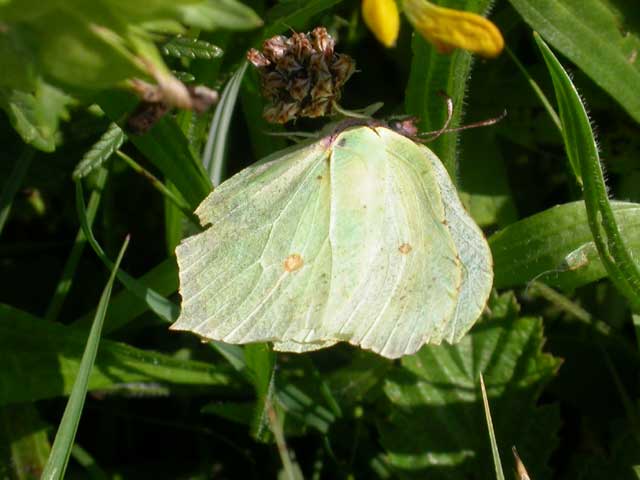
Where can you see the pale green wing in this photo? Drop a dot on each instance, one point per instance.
(348, 241)
(395, 270)
(477, 273)
(235, 277)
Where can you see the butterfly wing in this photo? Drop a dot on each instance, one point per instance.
(248, 276)
(348, 239)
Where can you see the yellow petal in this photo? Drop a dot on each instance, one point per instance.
(448, 29)
(383, 19)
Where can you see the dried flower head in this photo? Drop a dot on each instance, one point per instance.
(301, 76)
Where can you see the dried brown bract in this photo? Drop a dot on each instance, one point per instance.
(301, 76)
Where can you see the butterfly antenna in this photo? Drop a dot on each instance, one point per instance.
(445, 128)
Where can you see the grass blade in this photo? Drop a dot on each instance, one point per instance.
(582, 150)
(594, 35)
(13, 183)
(162, 307)
(492, 434)
(66, 279)
(214, 150)
(61, 450)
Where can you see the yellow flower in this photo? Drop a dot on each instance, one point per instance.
(444, 27)
(383, 19)
(448, 29)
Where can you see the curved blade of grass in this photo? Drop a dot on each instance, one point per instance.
(213, 157)
(13, 183)
(596, 38)
(583, 151)
(537, 90)
(66, 279)
(162, 307)
(61, 449)
(556, 246)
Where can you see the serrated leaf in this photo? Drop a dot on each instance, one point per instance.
(191, 48)
(36, 116)
(436, 427)
(109, 142)
(596, 37)
(556, 246)
(51, 353)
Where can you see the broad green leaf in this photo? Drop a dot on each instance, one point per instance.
(582, 150)
(595, 36)
(78, 54)
(487, 198)
(300, 254)
(100, 152)
(214, 14)
(24, 444)
(432, 72)
(65, 436)
(556, 246)
(436, 426)
(51, 353)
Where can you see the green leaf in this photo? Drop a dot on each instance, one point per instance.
(596, 37)
(435, 427)
(213, 157)
(191, 48)
(36, 116)
(557, 247)
(51, 353)
(487, 198)
(261, 361)
(24, 444)
(214, 14)
(294, 15)
(100, 152)
(432, 72)
(61, 449)
(582, 150)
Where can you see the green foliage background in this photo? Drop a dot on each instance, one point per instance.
(557, 346)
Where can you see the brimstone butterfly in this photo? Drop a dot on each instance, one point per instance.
(357, 237)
